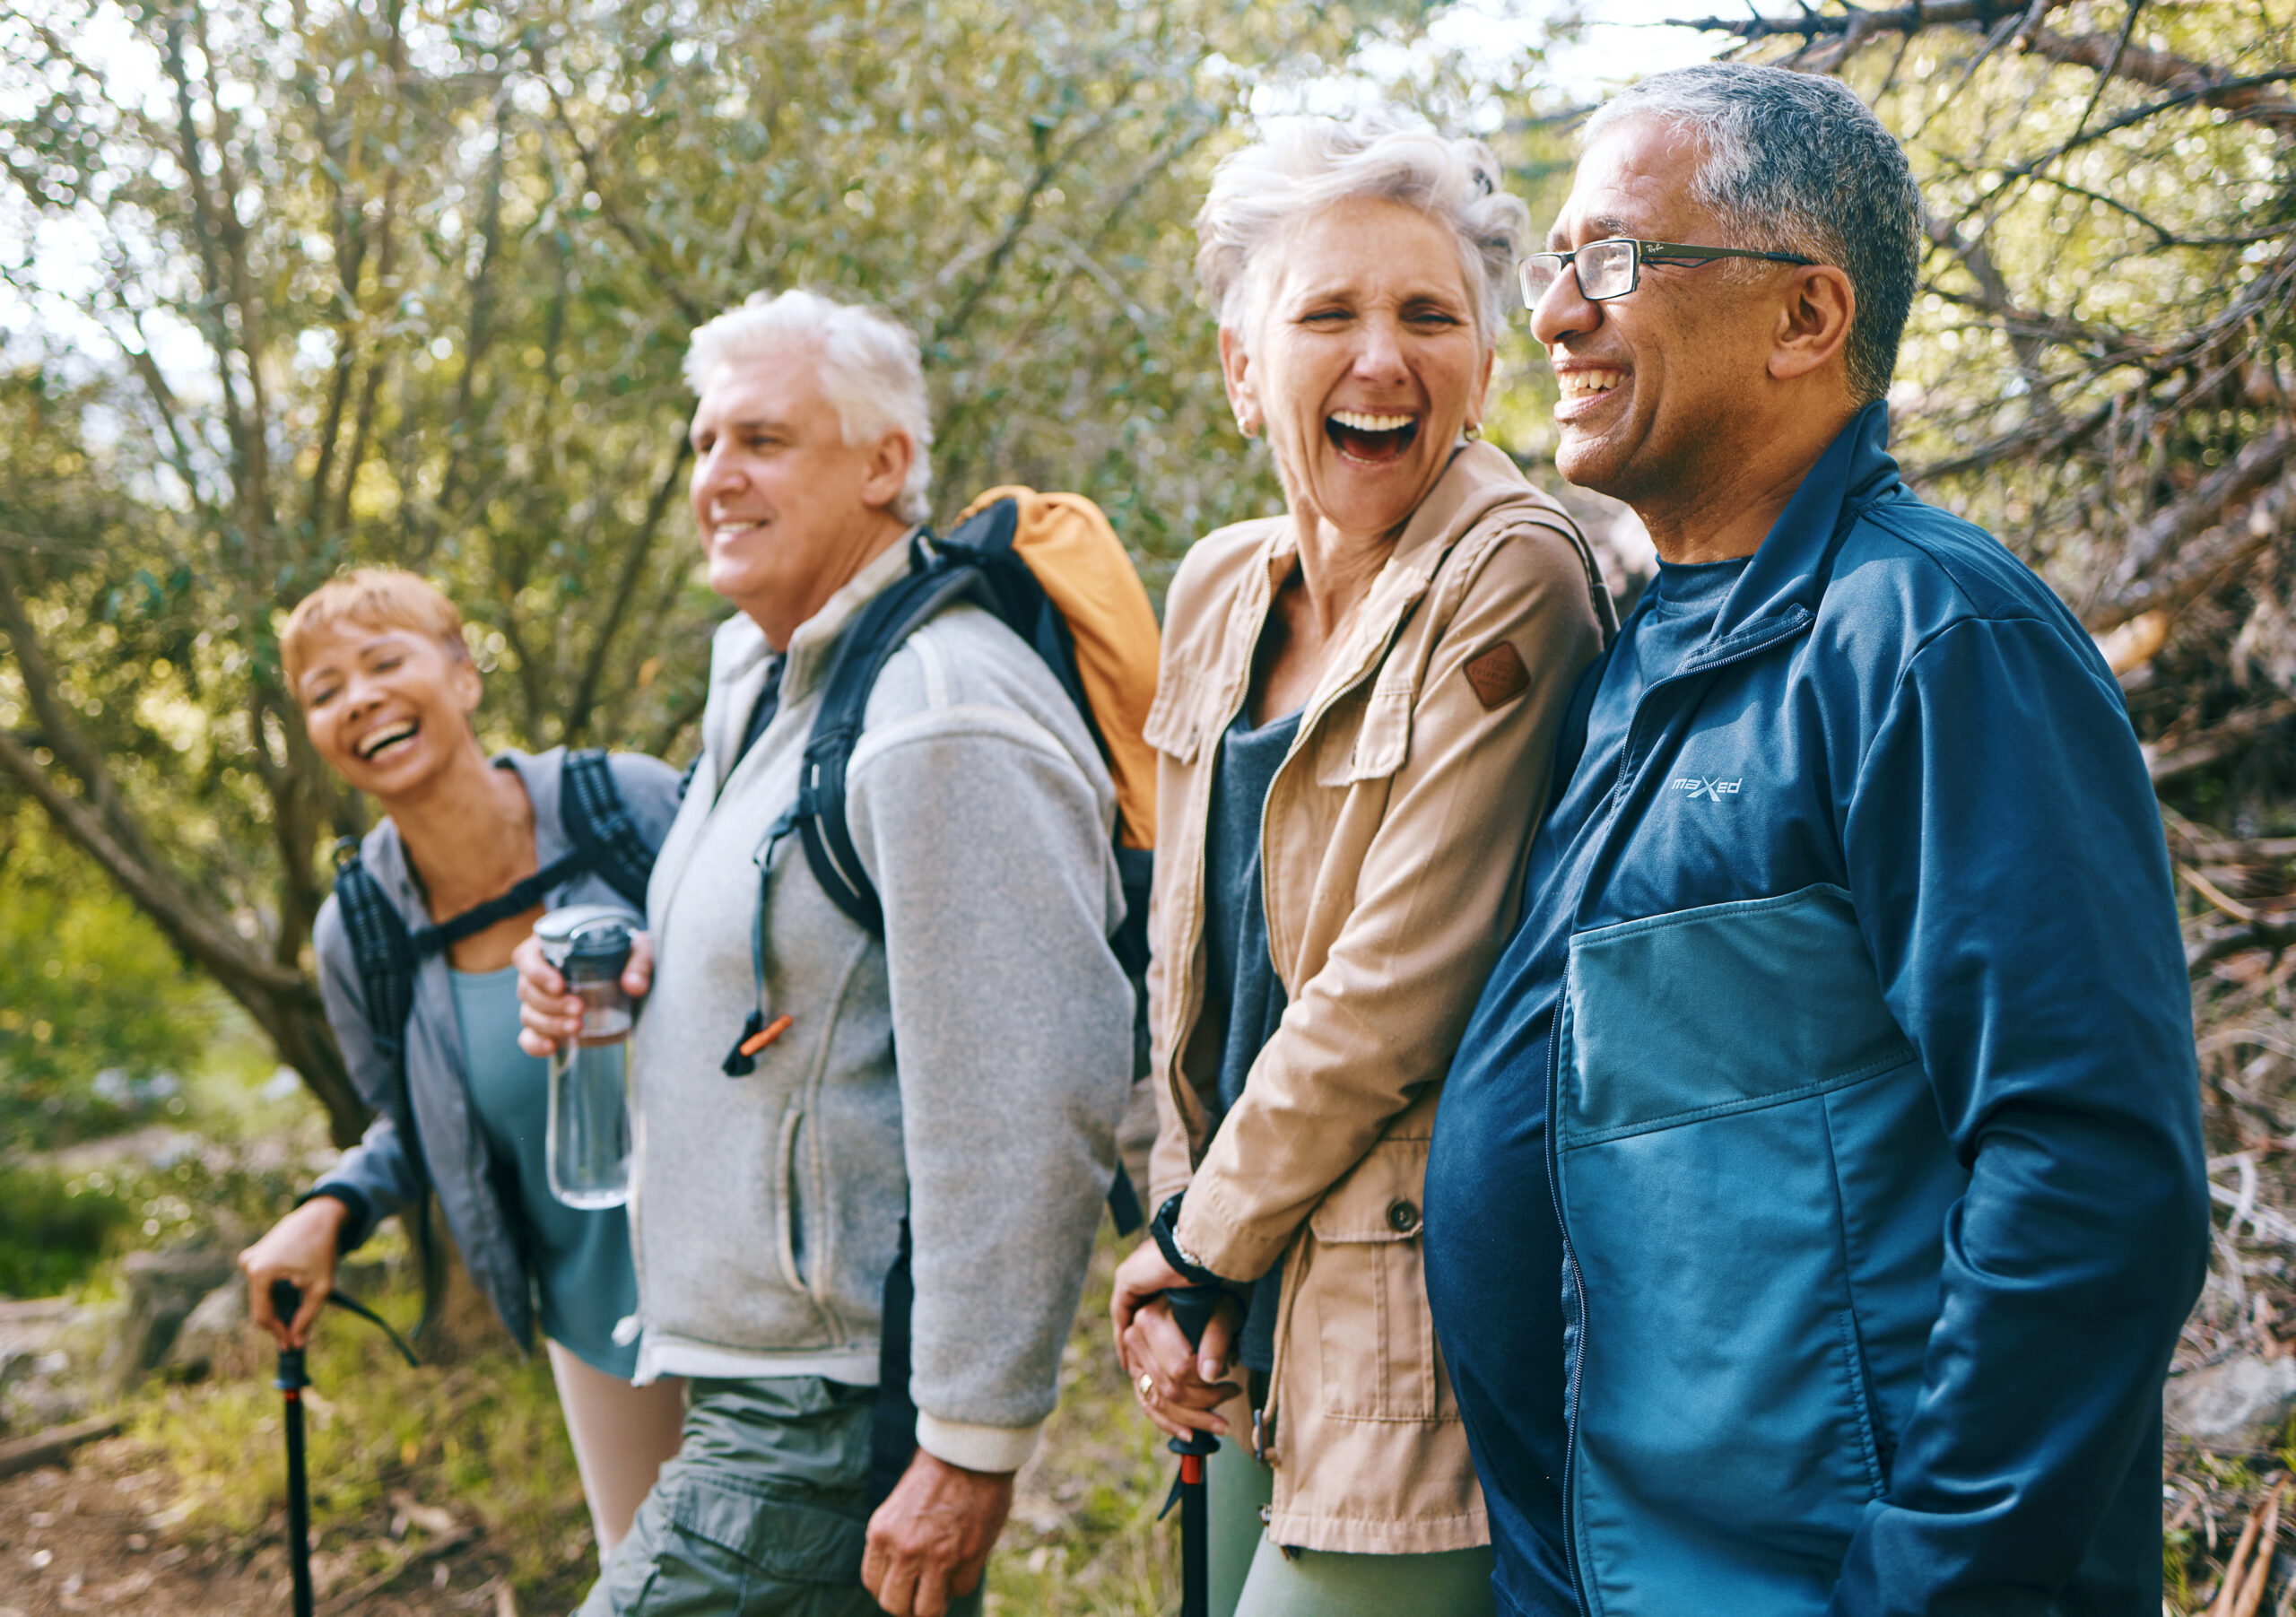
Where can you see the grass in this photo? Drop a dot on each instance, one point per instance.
(480, 1436)
(53, 1231)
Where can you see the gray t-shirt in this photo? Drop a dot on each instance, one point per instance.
(1242, 994)
(578, 1257)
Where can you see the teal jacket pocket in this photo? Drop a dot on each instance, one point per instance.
(1731, 1429)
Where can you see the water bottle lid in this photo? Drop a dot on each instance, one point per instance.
(558, 927)
(599, 948)
(562, 932)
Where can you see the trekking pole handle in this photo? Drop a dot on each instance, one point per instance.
(286, 1299)
(1192, 1308)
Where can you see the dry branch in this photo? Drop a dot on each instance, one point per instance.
(2215, 744)
(46, 1447)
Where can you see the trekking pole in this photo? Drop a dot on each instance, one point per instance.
(1192, 1310)
(286, 1300)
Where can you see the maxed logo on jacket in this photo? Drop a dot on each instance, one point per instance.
(1715, 790)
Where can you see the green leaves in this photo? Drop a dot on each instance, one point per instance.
(411, 283)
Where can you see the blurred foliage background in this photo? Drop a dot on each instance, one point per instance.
(316, 282)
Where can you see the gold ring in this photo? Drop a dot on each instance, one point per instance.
(1147, 1385)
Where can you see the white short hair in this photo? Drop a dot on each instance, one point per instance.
(870, 370)
(1301, 166)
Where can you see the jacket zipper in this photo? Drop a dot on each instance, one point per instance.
(1576, 1369)
(1794, 622)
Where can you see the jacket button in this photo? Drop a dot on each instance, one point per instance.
(1403, 1218)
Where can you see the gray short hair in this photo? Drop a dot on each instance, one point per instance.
(1794, 161)
(1302, 165)
(871, 371)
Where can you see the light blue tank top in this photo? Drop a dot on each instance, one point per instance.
(579, 1259)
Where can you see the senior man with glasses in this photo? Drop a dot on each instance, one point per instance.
(1818, 1190)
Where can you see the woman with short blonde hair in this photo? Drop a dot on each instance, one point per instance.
(374, 658)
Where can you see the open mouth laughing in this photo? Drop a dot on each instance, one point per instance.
(389, 739)
(1370, 437)
(1588, 382)
(1581, 389)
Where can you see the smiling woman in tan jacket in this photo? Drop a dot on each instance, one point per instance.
(1357, 703)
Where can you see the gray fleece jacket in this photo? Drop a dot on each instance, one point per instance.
(766, 1210)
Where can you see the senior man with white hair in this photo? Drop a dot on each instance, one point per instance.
(965, 1072)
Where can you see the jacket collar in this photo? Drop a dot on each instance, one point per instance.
(1785, 581)
(740, 653)
(1478, 482)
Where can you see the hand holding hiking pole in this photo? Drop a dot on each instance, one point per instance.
(286, 1297)
(1192, 1310)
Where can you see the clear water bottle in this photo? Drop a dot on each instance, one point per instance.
(587, 1144)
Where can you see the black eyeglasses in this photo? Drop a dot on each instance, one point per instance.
(1612, 267)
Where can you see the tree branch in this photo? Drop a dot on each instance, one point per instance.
(2260, 461)
(62, 733)
(153, 891)
(2099, 52)
(633, 571)
(648, 250)
(2215, 744)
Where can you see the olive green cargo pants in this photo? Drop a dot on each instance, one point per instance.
(763, 1513)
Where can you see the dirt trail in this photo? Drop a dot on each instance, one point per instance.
(91, 1536)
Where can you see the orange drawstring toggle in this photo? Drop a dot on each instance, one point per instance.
(766, 1035)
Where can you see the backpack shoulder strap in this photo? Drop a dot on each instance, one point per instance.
(861, 657)
(384, 952)
(1011, 592)
(597, 823)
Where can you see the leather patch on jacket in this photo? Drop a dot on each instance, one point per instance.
(1498, 676)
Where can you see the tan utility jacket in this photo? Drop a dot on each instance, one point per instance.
(1393, 851)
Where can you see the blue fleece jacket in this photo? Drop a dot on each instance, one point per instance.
(1818, 1189)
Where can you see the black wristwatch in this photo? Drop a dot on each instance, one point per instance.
(1162, 1228)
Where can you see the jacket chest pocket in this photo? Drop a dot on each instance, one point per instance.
(1179, 715)
(1366, 1291)
(1365, 736)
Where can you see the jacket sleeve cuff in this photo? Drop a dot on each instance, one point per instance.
(1212, 1231)
(358, 1225)
(992, 1448)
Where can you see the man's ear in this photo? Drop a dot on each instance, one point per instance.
(1812, 321)
(1235, 370)
(890, 459)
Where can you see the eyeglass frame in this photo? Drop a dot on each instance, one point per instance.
(1651, 250)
